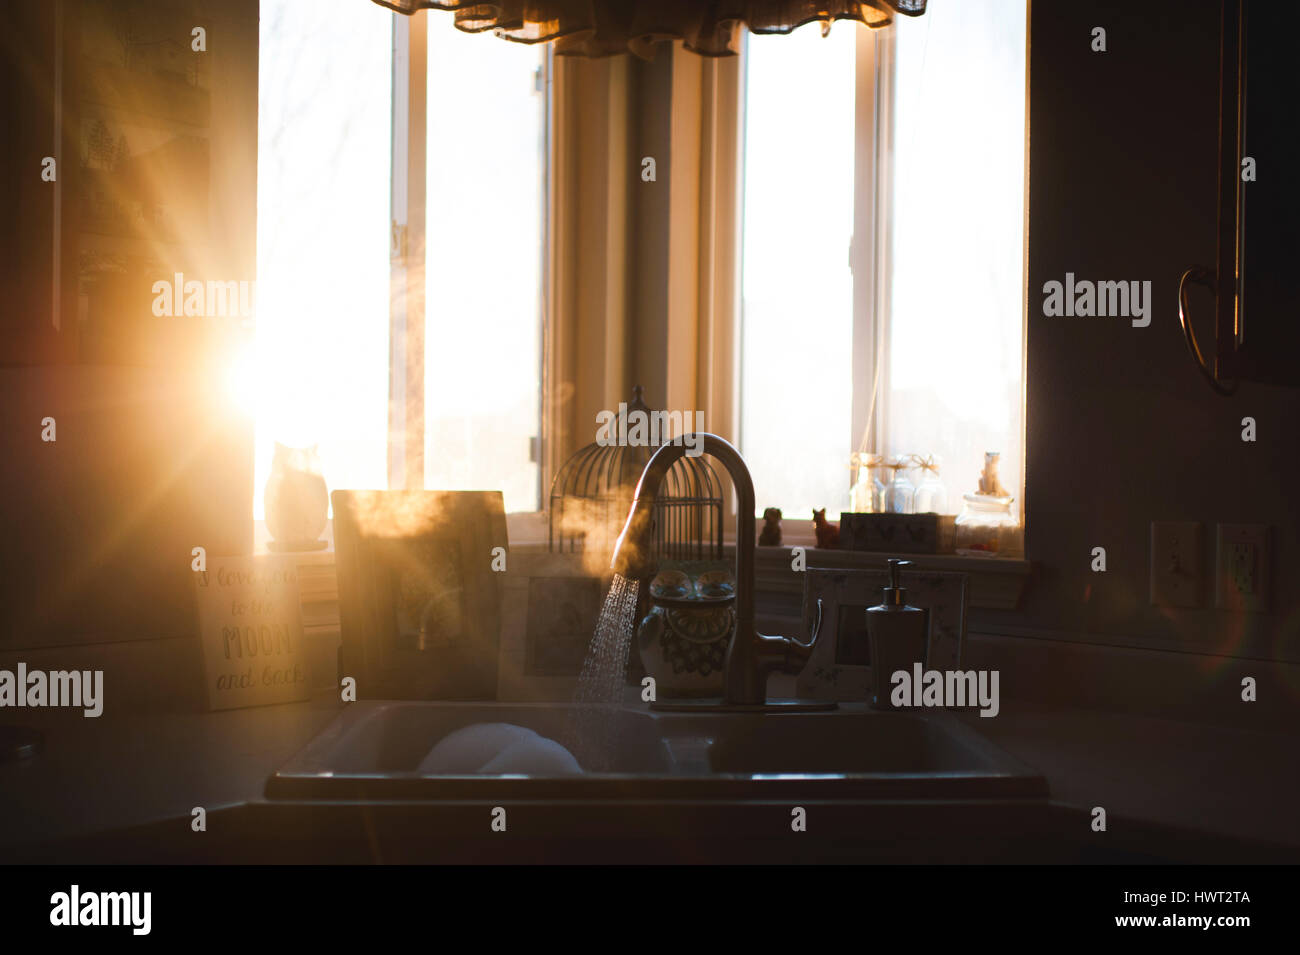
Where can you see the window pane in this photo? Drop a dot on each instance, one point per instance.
(796, 362)
(484, 261)
(322, 237)
(955, 315)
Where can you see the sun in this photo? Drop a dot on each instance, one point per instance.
(240, 380)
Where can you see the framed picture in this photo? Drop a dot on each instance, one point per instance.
(419, 600)
(835, 603)
(551, 605)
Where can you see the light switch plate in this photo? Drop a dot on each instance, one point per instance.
(1242, 567)
(1176, 563)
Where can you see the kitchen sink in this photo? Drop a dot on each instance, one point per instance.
(373, 751)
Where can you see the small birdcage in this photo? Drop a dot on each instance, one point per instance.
(592, 494)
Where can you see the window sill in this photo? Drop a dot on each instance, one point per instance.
(262, 541)
(996, 583)
(525, 530)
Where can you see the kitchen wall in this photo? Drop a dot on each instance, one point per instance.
(151, 453)
(1122, 430)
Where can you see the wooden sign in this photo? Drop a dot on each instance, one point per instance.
(250, 632)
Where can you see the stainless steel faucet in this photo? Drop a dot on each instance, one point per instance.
(752, 656)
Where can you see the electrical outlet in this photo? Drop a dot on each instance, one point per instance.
(1243, 564)
(1176, 563)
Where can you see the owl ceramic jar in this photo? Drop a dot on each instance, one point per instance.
(683, 640)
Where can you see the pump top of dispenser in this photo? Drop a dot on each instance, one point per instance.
(895, 594)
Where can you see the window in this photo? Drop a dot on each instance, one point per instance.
(796, 286)
(337, 177)
(322, 238)
(892, 322)
(484, 264)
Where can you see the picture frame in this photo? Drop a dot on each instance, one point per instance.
(419, 599)
(550, 608)
(834, 605)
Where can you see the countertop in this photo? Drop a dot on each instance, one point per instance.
(99, 775)
(1163, 783)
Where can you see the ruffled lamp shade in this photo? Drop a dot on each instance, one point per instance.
(607, 27)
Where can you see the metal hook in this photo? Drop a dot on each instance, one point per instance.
(1201, 276)
(817, 627)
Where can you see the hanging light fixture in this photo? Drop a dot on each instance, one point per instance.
(607, 27)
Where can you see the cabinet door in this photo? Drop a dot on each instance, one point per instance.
(1258, 331)
(156, 147)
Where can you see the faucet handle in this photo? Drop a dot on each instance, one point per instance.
(798, 654)
(787, 654)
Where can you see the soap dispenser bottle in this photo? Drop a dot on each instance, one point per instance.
(898, 634)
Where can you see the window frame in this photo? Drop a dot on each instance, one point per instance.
(885, 91)
(870, 257)
(868, 252)
(407, 247)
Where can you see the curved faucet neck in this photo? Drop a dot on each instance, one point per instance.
(745, 682)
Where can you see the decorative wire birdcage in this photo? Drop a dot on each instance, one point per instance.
(592, 494)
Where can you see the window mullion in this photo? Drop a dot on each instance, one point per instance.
(883, 227)
(407, 299)
(868, 256)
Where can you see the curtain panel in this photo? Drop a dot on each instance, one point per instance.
(644, 261)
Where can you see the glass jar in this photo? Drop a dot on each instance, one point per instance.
(899, 493)
(931, 495)
(868, 493)
(986, 526)
(878, 483)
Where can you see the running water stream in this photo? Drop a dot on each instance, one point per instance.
(601, 687)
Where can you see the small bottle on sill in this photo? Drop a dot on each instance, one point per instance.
(900, 492)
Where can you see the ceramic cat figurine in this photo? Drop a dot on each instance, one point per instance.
(828, 535)
(297, 502)
(989, 483)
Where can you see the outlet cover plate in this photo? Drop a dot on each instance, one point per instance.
(1242, 567)
(1176, 563)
